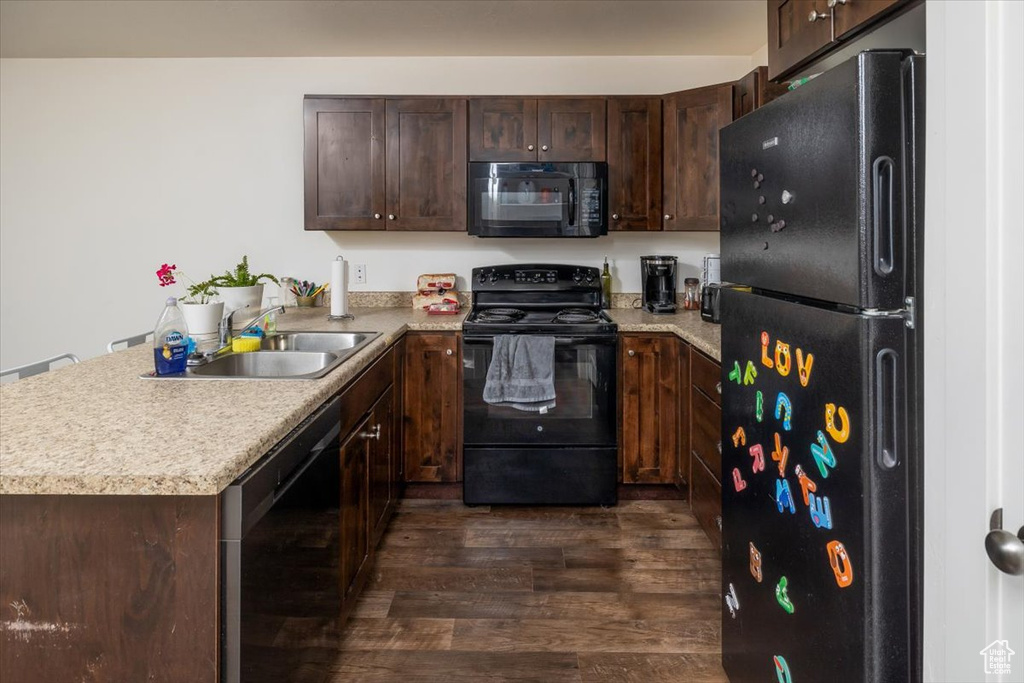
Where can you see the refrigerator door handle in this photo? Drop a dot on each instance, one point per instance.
(883, 214)
(886, 409)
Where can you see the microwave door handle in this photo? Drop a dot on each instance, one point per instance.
(572, 201)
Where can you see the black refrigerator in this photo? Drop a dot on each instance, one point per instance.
(822, 208)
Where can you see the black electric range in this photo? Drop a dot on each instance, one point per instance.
(564, 454)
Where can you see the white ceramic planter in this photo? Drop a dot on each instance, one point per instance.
(235, 298)
(202, 319)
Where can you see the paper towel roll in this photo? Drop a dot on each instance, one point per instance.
(339, 287)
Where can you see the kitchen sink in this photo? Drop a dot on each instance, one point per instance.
(330, 342)
(288, 355)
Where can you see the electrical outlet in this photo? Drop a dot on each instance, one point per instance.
(359, 273)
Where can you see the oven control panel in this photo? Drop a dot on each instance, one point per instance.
(535, 277)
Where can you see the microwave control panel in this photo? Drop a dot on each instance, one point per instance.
(590, 206)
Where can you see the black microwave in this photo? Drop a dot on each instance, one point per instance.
(538, 199)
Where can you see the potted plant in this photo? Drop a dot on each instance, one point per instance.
(201, 314)
(240, 288)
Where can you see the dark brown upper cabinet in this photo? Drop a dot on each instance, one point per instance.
(634, 163)
(385, 164)
(503, 129)
(537, 129)
(692, 121)
(426, 164)
(344, 163)
(801, 30)
(753, 91)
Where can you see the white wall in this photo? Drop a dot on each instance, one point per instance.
(109, 168)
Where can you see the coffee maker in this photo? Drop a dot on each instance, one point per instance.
(658, 278)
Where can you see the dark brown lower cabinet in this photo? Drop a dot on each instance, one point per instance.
(649, 369)
(355, 546)
(706, 445)
(432, 407)
(383, 487)
(682, 474)
(91, 588)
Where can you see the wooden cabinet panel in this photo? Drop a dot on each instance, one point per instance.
(650, 405)
(683, 425)
(634, 163)
(344, 163)
(706, 375)
(753, 91)
(382, 490)
(432, 408)
(503, 129)
(692, 121)
(706, 501)
(853, 14)
(426, 164)
(355, 546)
(99, 583)
(793, 36)
(706, 433)
(571, 129)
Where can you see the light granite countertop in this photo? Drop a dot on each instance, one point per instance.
(687, 325)
(97, 428)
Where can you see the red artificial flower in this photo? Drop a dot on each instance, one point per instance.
(166, 275)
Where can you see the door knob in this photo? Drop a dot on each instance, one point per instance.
(832, 3)
(377, 216)
(448, 352)
(529, 148)
(1004, 549)
(391, 216)
(631, 353)
(615, 216)
(543, 148)
(815, 15)
(668, 216)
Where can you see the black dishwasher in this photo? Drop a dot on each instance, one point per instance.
(280, 550)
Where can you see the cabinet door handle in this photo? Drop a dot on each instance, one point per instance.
(615, 216)
(377, 216)
(718, 521)
(631, 353)
(530, 148)
(668, 216)
(718, 388)
(373, 434)
(815, 15)
(719, 447)
(543, 148)
(448, 352)
(391, 216)
(832, 3)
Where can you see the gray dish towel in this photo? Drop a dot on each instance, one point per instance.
(522, 373)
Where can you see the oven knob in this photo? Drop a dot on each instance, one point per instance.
(481, 278)
(493, 277)
(590, 277)
(577, 277)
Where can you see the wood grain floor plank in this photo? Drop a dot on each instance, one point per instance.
(397, 634)
(568, 606)
(458, 579)
(373, 604)
(641, 521)
(551, 635)
(600, 538)
(446, 667)
(470, 557)
(640, 558)
(615, 580)
(441, 519)
(651, 668)
(398, 537)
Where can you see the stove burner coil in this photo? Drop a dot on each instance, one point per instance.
(500, 315)
(576, 315)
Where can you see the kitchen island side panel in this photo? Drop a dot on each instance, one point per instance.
(108, 588)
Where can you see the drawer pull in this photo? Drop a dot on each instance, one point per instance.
(718, 388)
(375, 434)
(718, 521)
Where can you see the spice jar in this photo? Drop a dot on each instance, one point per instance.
(691, 294)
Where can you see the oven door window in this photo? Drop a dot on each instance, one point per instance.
(584, 412)
(532, 203)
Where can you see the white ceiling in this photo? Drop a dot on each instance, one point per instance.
(332, 28)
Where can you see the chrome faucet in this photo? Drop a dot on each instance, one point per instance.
(226, 323)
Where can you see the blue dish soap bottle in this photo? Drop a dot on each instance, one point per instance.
(170, 340)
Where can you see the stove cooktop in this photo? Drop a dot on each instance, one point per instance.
(511, 320)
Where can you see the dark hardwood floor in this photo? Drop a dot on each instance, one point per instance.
(587, 595)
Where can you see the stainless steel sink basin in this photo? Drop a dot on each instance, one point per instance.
(288, 355)
(330, 342)
(269, 365)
